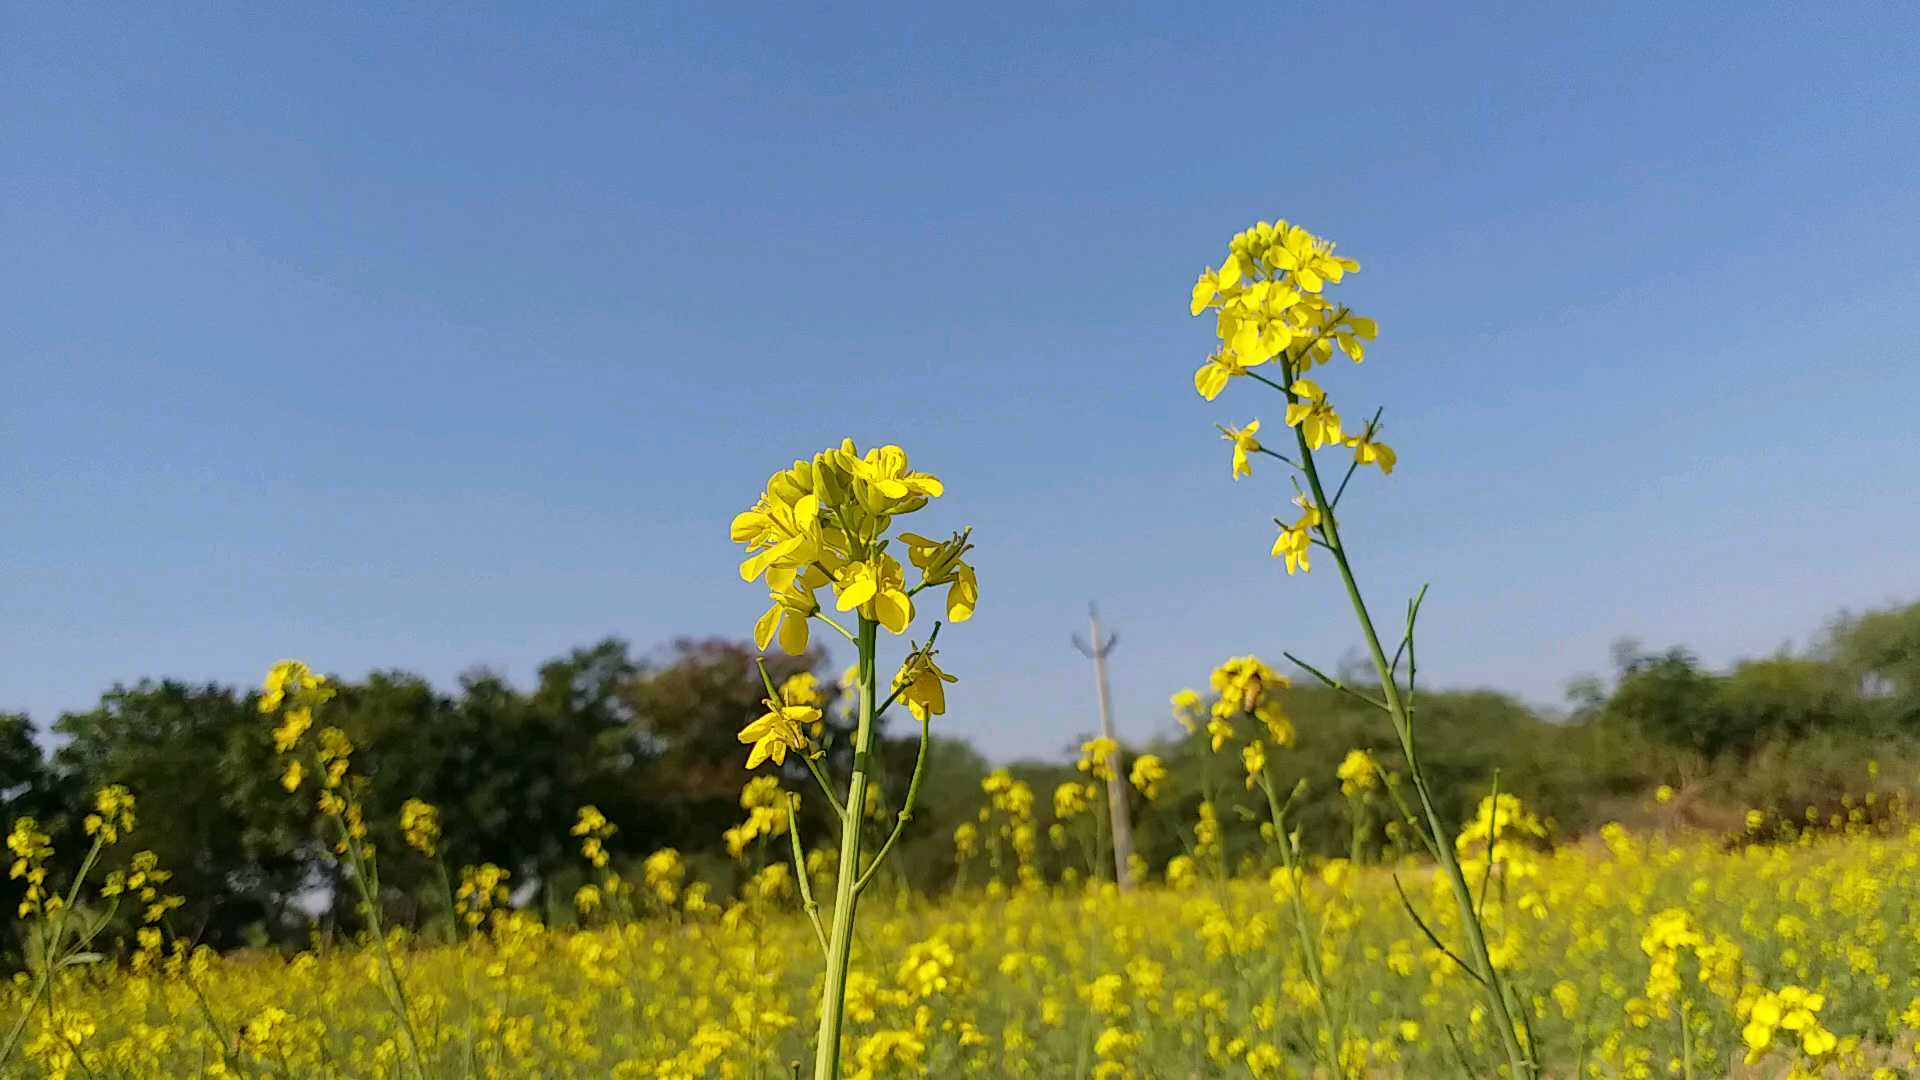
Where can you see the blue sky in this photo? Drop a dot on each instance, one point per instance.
(433, 339)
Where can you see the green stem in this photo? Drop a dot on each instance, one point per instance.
(365, 883)
(800, 874)
(1517, 1056)
(826, 1059)
(906, 812)
(825, 618)
(1309, 947)
(1686, 1044)
(1335, 684)
(49, 958)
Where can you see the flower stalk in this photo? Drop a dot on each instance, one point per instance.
(1271, 311)
(825, 523)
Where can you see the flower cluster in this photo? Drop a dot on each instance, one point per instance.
(1503, 839)
(825, 522)
(1243, 686)
(293, 690)
(1270, 309)
(1269, 305)
(1148, 774)
(483, 889)
(142, 880)
(1358, 773)
(783, 727)
(766, 807)
(420, 826)
(113, 814)
(922, 684)
(1793, 1010)
(663, 872)
(31, 849)
(594, 830)
(1096, 757)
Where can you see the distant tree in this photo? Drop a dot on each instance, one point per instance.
(507, 769)
(686, 709)
(1879, 652)
(26, 789)
(1781, 697)
(23, 768)
(199, 760)
(1669, 698)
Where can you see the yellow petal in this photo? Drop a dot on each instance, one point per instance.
(853, 594)
(1230, 271)
(764, 626)
(1210, 380)
(748, 525)
(962, 598)
(793, 636)
(1203, 293)
(893, 610)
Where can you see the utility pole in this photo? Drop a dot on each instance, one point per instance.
(1116, 781)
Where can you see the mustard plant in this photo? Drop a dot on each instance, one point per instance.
(293, 691)
(1276, 324)
(49, 915)
(828, 521)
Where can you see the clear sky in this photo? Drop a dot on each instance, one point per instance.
(434, 339)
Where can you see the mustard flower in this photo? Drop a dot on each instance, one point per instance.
(1096, 757)
(1072, 799)
(922, 685)
(1368, 450)
(1245, 441)
(420, 826)
(1316, 419)
(1358, 773)
(1254, 757)
(780, 729)
(1295, 542)
(1148, 775)
(113, 813)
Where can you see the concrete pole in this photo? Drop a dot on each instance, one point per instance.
(1121, 818)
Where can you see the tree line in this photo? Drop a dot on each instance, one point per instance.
(650, 740)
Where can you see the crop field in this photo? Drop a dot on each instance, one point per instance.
(1634, 956)
(648, 541)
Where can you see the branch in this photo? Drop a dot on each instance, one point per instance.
(895, 696)
(1424, 929)
(800, 873)
(1371, 425)
(821, 614)
(1336, 684)
(825, 788)
(906, 813)
(1282, 457)
(1493, 848)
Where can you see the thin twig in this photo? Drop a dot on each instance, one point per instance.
(1335, 683)
(1372, 425)
(1493, 849)
(825, 788)
(800, 873)
(1282, 457)
(905, 815)
(1459, 1052)
(1428, 931)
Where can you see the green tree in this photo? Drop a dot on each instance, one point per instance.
(199, 760)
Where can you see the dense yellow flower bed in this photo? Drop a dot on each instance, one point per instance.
(1635, 957)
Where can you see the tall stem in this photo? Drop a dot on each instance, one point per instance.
(1517, 1056)
(49, 953)
(826, 1055)
(368, 886)
(1309, 943)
